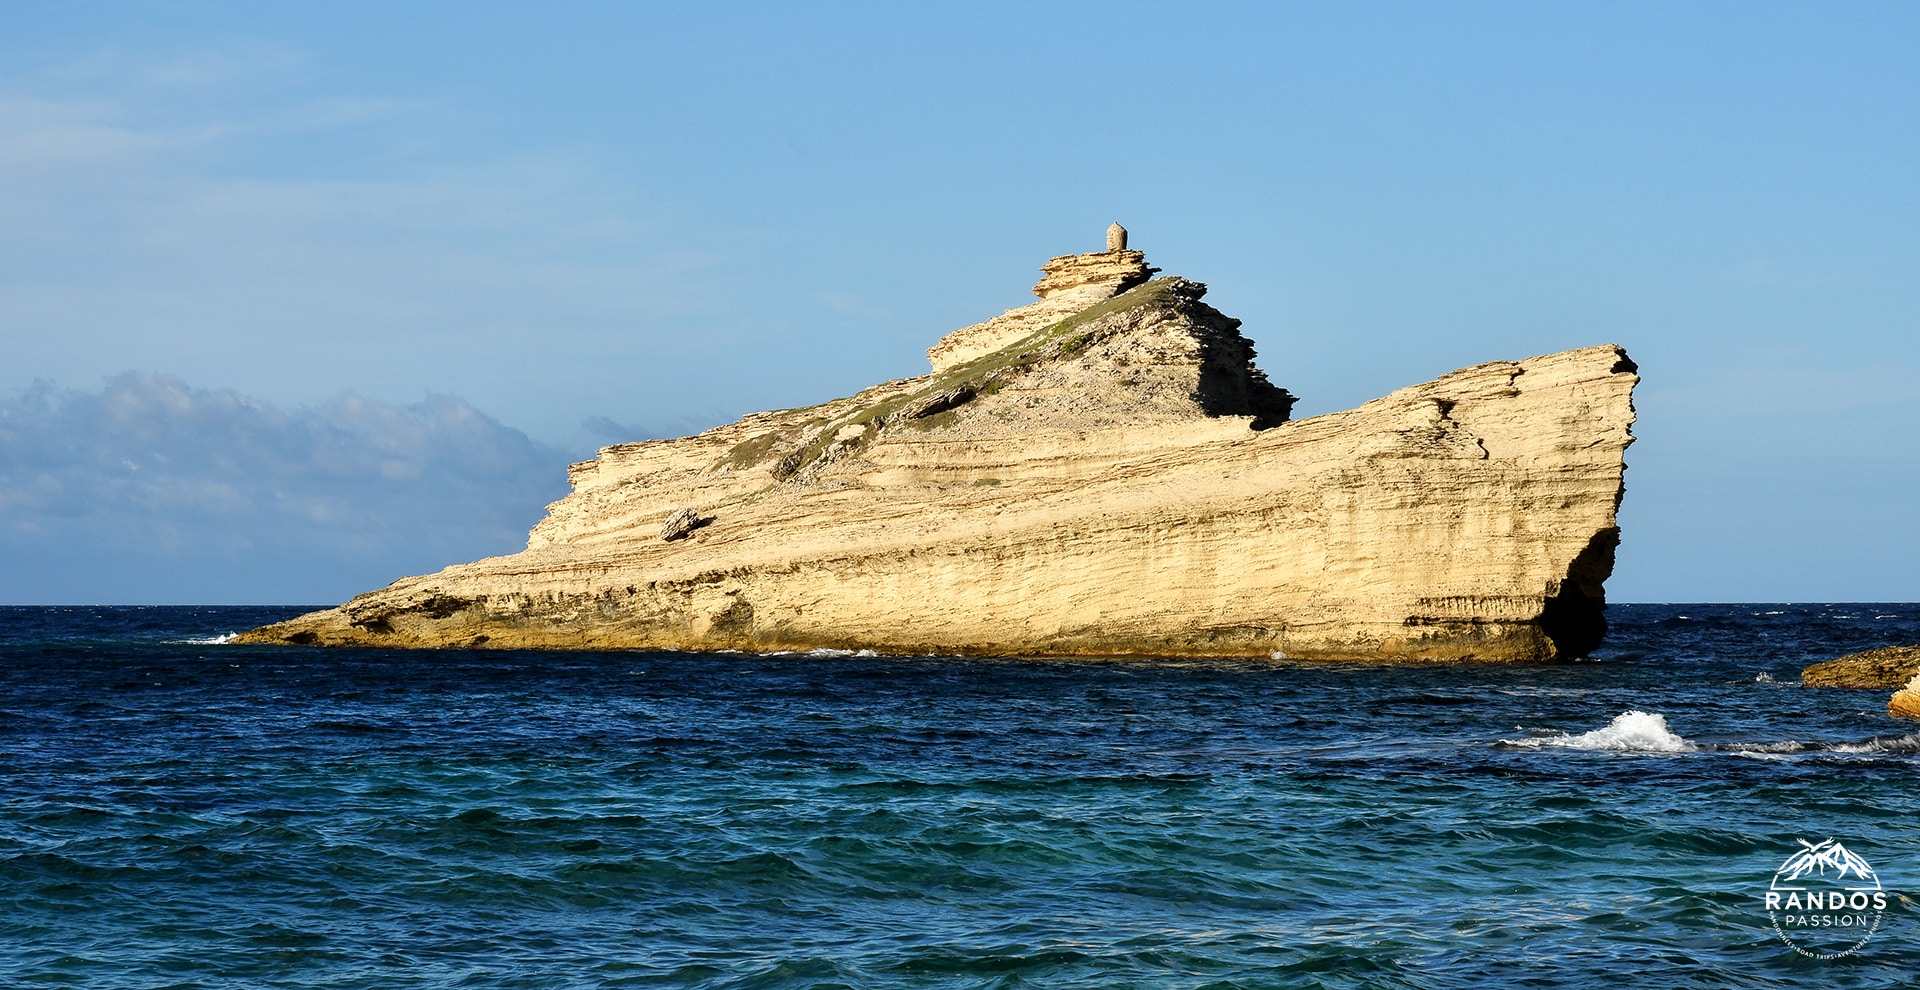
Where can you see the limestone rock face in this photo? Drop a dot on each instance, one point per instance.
(1011, 327)
(1096, 474)
(1113, 271)
(1906, 701)
(1882, 669)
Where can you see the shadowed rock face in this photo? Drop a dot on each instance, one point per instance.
(1093, 474)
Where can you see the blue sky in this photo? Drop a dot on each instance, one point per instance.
(353, 245)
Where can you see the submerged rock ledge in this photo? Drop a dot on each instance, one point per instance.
(1103, 472)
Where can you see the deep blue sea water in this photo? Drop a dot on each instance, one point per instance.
(178, 812)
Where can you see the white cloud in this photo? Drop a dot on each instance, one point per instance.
(217, 213)
(41, 133)
(340, 496)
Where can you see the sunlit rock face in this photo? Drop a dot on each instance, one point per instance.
(1895, 667)
(1906, 701)
(1102, 472)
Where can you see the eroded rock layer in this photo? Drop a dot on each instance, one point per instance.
(1094, 474)
(1117, 269)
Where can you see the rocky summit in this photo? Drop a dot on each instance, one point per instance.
(1103, 472)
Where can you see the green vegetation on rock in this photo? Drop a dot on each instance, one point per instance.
(932, 405)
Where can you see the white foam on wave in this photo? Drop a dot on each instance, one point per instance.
(1633, 731)
(1897, 745)
(1909, 743)
(1771, 748)
(219, 640)
(1536, 691)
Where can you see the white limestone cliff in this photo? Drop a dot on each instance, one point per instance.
(1103, 472)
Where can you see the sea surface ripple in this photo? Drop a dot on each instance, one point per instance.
(179, 811)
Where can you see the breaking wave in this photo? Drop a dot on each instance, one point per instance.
(1632, 731)
(1908, 743)
(1894, 745)
(1647, 732)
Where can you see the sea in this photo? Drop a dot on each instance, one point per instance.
(180, 811)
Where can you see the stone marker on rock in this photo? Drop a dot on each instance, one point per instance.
(1095, 275)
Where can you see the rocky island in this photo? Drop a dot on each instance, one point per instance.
(1895, 668)
(1101, 472)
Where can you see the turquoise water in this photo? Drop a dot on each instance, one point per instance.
(183, 813)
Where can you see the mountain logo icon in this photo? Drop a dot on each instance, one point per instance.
(1825, 901)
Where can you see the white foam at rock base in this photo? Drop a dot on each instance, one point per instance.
(1632, 731)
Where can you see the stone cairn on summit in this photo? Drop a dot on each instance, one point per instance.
(1115, 269)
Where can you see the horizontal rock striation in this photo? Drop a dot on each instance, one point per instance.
(1111, 476)
(1116, 271)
